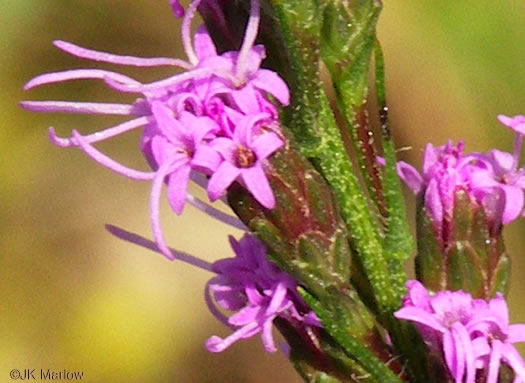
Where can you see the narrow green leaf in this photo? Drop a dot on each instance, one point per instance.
(347, 37)
(399, 243)
(353, 347)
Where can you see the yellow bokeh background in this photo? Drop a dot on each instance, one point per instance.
(74, 297)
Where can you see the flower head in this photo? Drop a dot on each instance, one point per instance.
(470, 333)
(244, 155)
(493, 181)
(247, 284)
(258, 292)
(187, 116)
(446, 169)
(505, 180)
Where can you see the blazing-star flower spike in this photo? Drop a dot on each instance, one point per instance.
(182, 114)
(472, 335)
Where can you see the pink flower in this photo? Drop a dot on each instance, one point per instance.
(180, 149)
(258, 292)
(249, 285)
(182, 114)
(506, 180)
(244, 156)
(471, 333)
(492, 180)
(445, 171)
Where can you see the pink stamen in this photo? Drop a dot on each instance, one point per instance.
(99, 136)
(156, 227)
(517, 150)
(186, 32)
(250, 35)
(215, 213)
(216, 344)
(78, 107)
(79, 74)
(109, 163)
(94, 55)
(212, 307)
(137, 87)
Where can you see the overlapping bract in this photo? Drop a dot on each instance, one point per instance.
(471, 334)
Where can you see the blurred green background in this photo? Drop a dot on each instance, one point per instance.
(74, 297)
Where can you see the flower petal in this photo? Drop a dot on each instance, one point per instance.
(516, 123)
(226, 148)
(257, 183)
(433, 203)
(168, 125)
(451, 353)
(503, 162)
(221, 180)
(271, 82)
(267, 336)
(265, 144)
(516, 333)
(498, 305)
(420, 316)
(417, 295)
(410, 176)
(246, 99)
(494, 362)
(278, 297)
(216, 344)
(513, 204)
(205, 158)
(177, 187)
(429, 159)
(204, 46)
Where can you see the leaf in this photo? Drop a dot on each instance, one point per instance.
(337, 326)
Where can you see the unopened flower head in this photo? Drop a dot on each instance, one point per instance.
(471, 334)
(212, 119)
